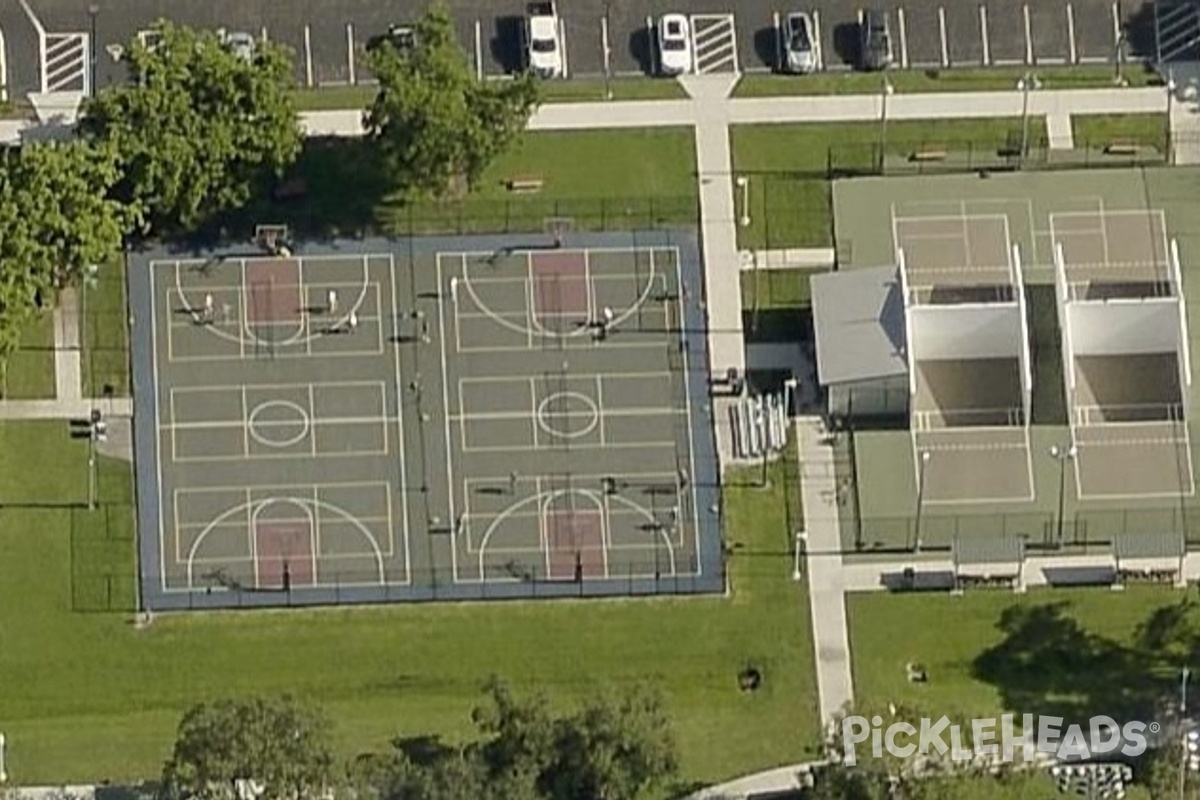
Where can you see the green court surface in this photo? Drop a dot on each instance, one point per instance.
(1033, 209)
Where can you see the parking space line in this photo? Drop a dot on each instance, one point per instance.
(1072, 51)
(902, 29)
(983, 35)
(816, 15)
(942, 31)
(350, 53)
(479, 49)
(1028, 35)
(308, 57)
(1116, 28)
(562, 45)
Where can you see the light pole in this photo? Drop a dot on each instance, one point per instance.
(743, 183)
(1062, 455)
(608, 92)
(789, 395)
(886, 91)
(922, 465)
(1026, 85)
(93, 13)
(1171, 86)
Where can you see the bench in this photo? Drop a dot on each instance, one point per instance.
(1121, 148)
(525, 184)
(922, 156)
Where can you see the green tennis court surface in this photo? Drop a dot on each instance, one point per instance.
(466, 418)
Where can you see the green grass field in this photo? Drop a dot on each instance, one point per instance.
(342, 98)
(950, 80)
(1064, 652)
(604, 180)
(90, 697)
(29, 371)
(106, 334)
(788, 164)
(1097, 131)
(776, 288)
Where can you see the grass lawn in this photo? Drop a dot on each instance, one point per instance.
(776, 288)
(29, 373)
(605, 180)
(106, 334)
(788, 167)
(1062, 652)
(950, 80)
(1096, 131)
(90, 697)
(340, 98)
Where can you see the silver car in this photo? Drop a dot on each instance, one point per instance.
(799, 45)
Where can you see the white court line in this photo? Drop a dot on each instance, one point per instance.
(645, 445)
(580, 376)
(178, 528)
(543, 532)
(446, 408)
(600, 407)
(327, 421)
(312, 422)
(245, 423)
(272, 387)
(589, 288)
(253, 540)
(349, 258)
(533, 407)
(630, 411)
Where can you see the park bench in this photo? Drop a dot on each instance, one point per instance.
(1120, 148)
(525, 184)
(923, 156)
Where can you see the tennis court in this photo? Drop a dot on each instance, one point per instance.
(467, 418)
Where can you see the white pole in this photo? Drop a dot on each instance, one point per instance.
(744, 184)
(606, 48)
(816, 15)
(800, 540)
(308, 59)
(779, 65)
(350, 52)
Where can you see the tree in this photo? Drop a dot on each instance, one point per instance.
(269, 749)
(55, 220)
(437, 125)
(199, 128)
(617, 747)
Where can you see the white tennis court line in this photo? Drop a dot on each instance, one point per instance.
(600, 407)
(401, 445)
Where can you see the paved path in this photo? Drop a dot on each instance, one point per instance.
(826, 586)
(80, 408)
(68, 372)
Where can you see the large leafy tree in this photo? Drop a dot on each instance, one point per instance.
(198, 128)
(269, 749)
(56, 219)
(437, 125)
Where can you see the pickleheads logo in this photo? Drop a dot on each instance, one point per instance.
(996, 738)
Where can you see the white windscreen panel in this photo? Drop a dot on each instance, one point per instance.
(1023, 310)
(1124, 327)
(991, 330)
(1185, 345)
(908, 333)
(1063, 296)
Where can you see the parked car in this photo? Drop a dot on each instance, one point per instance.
(542, 41)
(875, 45)
(241, 44)
(674, 45)
(799, 46)
(401, 37)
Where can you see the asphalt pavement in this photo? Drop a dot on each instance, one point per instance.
(328, 36)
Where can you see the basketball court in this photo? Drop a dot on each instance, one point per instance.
(467, 418)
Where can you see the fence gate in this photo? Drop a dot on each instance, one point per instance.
(1177, 30)
(714, 43)
(65, 62)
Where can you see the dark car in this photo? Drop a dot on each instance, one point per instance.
(875, 44)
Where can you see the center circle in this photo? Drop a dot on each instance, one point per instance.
(278, 423)
(568, 415)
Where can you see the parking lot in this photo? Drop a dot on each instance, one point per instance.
(329, 37)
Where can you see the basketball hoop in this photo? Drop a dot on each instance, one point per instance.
(558, 228)
(274, 239)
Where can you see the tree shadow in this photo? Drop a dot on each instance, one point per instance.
(847, 44)
(766, 47)
(506, 44)
(1049, 664)
(641, 48)
(335, 189)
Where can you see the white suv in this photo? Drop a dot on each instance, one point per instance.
(542, 40)
(674, 45)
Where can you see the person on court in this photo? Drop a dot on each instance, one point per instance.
(208, 307)
(331, 302)
(454, 288)
(352, 322)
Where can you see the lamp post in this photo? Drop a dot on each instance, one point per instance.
(1026, 85)
(93, 13)
(1062, 455)
(1171, 87)
(886, 91)
(922, 465)
(743, 183)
